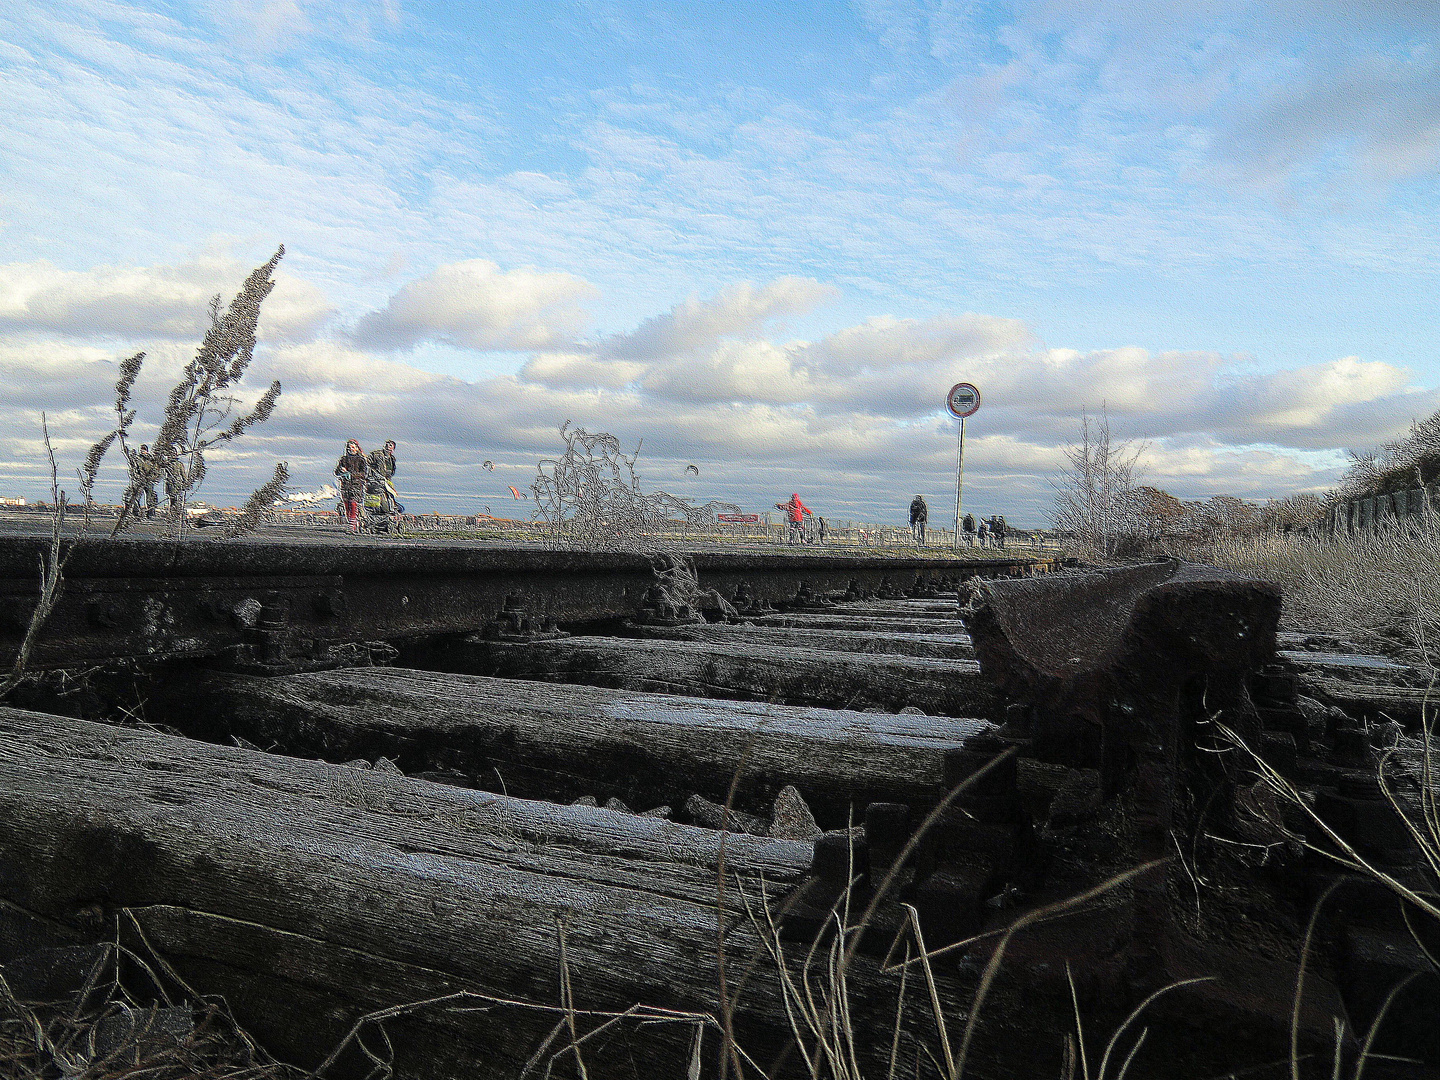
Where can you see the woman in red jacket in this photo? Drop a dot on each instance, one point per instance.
(797, 511)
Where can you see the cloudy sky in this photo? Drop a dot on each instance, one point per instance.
(764, 238)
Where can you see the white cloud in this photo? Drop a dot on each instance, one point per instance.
(475, 305)
(738, 311)
(850, 418)
(276, 25)
(1380, 113)
(156, 301)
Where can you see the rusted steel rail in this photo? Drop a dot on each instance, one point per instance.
(271, 604)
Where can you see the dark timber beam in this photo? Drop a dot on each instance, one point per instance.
(746, 671)
(540, 740)
(277, 605)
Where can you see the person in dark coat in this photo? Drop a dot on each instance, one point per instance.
(969, 527)
(351, 469)
(382, 465)
(382, 462)
(176, 479)
(919, 515)
(997, 530)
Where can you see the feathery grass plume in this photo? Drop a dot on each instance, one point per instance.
(200, 410)
(195, 475)
(263, 408)
(227, 350)
(87, 472)
(129, 372)
(261, 500)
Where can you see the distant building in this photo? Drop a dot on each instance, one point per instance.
(11, 501)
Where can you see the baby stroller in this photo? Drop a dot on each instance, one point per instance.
(382, 508)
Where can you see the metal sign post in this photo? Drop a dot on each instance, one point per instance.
(962, 401)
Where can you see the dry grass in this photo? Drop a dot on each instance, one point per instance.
(1383, 583)
(102, 1032)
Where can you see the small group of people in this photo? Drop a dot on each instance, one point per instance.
(148, 469)
(987, 533)
(795, 514)
(356, 469)
(990, 532)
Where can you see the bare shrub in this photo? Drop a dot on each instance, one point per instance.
(1096, 500)
(1410, 461)
(590, 498)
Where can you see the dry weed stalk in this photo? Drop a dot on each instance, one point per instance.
(816, 995)
(52, 564)
(106, 1033)
(202, 411)
(1423, 825)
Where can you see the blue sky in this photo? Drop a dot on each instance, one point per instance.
(764, 238)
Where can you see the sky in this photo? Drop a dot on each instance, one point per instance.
(760, 238)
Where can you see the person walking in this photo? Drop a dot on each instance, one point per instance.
(969, 527)
(983, 533)
(997, 529)
(175, 479)
(351, 469)
(144, 475)
(919, 515)
(796, 512)
(821, 523)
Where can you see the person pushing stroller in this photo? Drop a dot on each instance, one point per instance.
(382, 467)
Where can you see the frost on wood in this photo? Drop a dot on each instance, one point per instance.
(590, 498)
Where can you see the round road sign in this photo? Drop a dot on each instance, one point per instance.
(963, 400)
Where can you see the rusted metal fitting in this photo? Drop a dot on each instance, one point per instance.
(514, 623)
(747, 603)
(659, 608)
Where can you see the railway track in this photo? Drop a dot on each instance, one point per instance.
(565, 763)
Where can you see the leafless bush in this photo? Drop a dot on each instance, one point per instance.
(1096, 499)
(590, 497)
(1410, 461)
